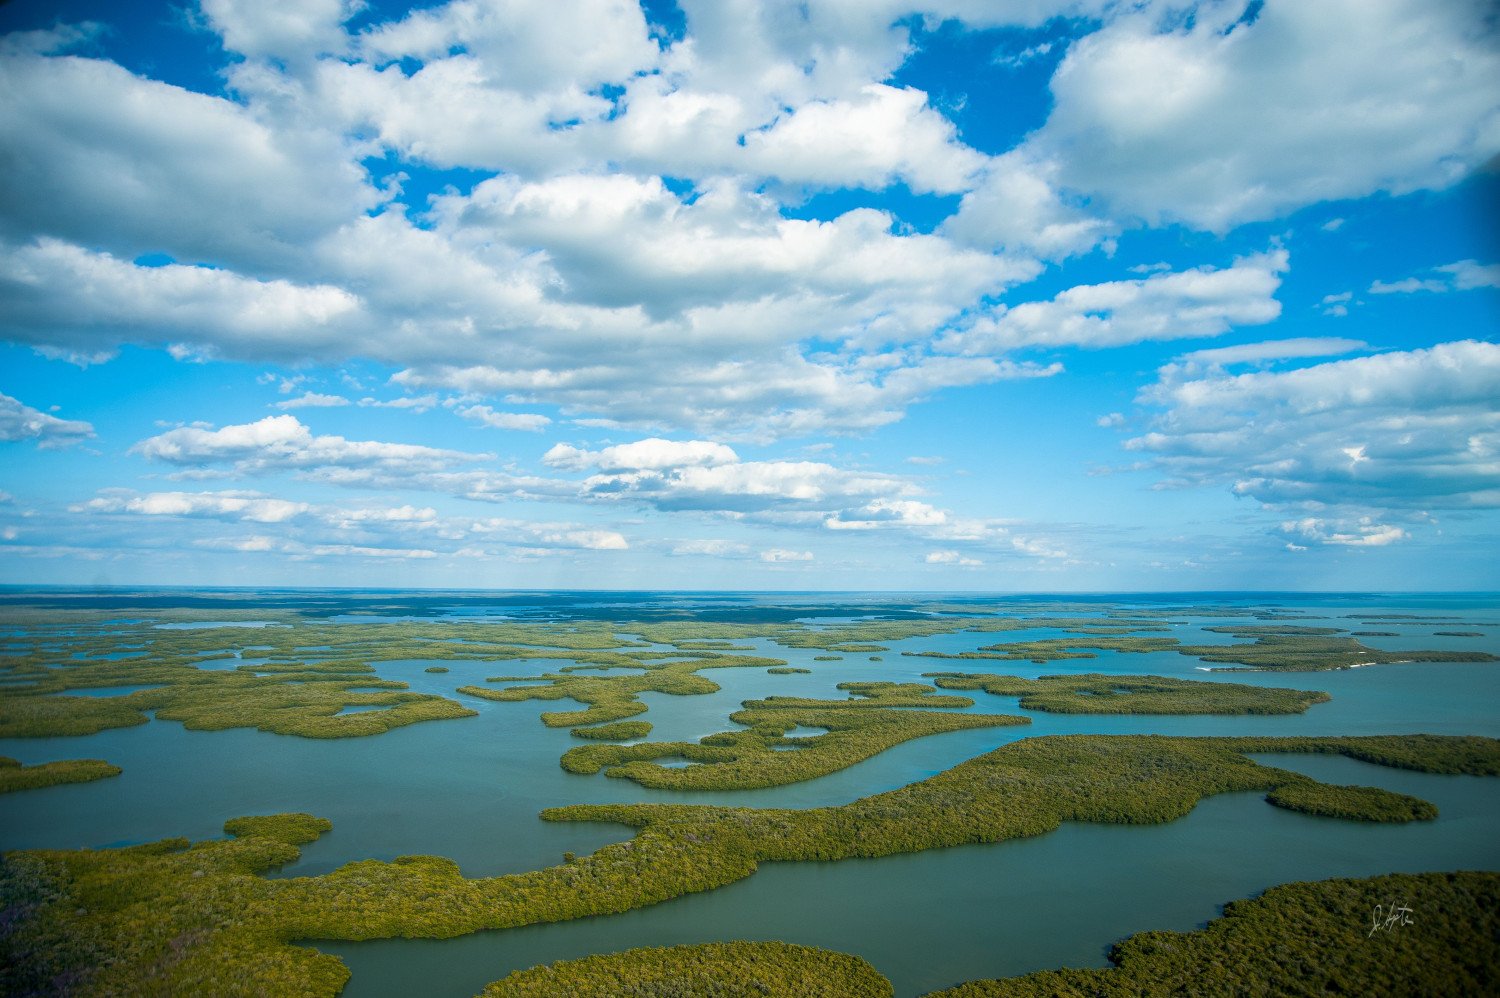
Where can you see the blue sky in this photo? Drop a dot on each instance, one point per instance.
(848, 294)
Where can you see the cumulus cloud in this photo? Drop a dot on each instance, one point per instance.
(712, 547)
(227, 505)
(1017, 206)
(531, 422)
(414, 403)
(880, 512)
(764, 488)
(572, 265)
(879, 136)
(211, 311)
(283, 442)
(1268, 350)
(652, 454)
(1408, 429)
(785, 555)
(303, 529)
(1465, 275)
(1363, 533)
(199, 178)
(1199, 302)
(951, 558)
(1150, 113)
(313, 400)
(19, 421)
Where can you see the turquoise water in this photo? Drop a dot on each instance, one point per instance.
(471, 789)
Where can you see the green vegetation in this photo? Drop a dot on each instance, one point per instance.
(867, 636)
(828, 658)
(300, 703)
(30, 716)
(1328, 937)
(293, 829)
(1056, 649)
(613, 698)
(309, 671)
(1305, 938)
(617, 731)
(788, 670)
(1099, 694)
(1352, 803)
(709, 970)
(763, 755)
(1274, 648)
(1458, 634)
(181, 918)
(707, 645)
(14, 776)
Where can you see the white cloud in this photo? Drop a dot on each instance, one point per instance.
(714, 548)
(1215, 123)
(1018, 207)
(415, 403)
(1363, 533)
(1200, 302)
(1336, 304)
(1411, 429)
(653, 454)
(314, 530)
(528, 421)
(1469, 274)
(313, 400)
(282, 442)
(211, 310)
(533, 46)
(1465, 275)
(281, 31)
(360, 551)
(1267, 350)
(871, 140)
(541, 536)
(595, 540)
(883, 512)
(565, 278)
(196, 177)
(777, 555)
(226, 505)
(951, 558)
(19, 421)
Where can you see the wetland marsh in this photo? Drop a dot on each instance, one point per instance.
(474, 734)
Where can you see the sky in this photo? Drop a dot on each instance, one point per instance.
(1003, 295)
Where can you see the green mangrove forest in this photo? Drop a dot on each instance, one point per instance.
(183, 917)
(1440, 937)
(1272, 648)
(176, 917)
(709, 970)
(14, 776)
(876, 717)
(1092, 693)
(1309, 938)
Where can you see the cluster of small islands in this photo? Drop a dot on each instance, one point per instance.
(182, 917)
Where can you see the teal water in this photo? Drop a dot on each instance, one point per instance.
(933, 919)
(471, 789)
